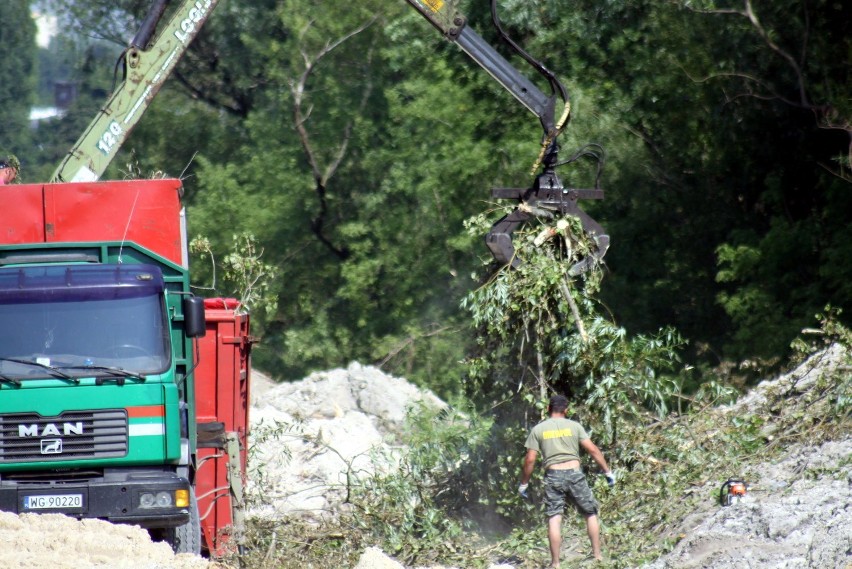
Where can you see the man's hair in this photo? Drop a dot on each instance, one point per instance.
(10, 161)
(558, 404)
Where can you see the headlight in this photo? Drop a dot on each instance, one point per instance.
(164, 499)
(146, 501)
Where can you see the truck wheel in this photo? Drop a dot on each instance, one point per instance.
(186, 538)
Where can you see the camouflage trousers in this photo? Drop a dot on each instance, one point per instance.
(561, 486)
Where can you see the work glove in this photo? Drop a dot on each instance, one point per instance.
(522, 490)
(610, 478)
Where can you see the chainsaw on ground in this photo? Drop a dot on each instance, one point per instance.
(732, 491)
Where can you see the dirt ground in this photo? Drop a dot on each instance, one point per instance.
(798, 514)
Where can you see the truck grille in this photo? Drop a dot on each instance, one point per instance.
(78, 435)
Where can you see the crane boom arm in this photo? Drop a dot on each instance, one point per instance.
(547, 192)
(444, 15)
(146, 69)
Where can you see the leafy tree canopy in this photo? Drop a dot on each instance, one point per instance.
(352, 143)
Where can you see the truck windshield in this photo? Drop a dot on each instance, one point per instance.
(82, 315)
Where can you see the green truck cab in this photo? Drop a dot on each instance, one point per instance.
(99, 333)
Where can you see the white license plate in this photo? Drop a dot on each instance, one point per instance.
(53, 501)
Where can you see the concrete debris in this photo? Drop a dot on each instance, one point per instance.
(312, 438)
(798, 515)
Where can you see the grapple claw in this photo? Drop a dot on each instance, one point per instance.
(596, 256)
(546, 194)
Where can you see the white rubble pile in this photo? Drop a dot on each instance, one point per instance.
(798, 514)
(798, 511)
(312, 437)
(799, 380)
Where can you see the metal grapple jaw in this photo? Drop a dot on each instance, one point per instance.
(547, 194)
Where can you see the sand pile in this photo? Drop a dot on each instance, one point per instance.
(53, 541)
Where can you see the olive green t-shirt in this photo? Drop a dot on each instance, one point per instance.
(557, 439)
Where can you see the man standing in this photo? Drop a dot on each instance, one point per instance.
(559, 440)
(8, 170)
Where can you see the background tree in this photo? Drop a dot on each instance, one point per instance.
(726, 198)
(794, 253)
(698, 173)
(18, 70)
(88, 66)
(358, 222)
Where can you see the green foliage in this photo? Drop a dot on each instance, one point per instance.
(371, 248)
(18, 72)
(426, 353)
(718, 152)
(697, 168)
(244, 275)
(452, 498)
(764, 318)
(672, 467)
(542, 321)
(669, 467)
(403, 507)
(397, 509)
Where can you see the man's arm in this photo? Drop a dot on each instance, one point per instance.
(595, 453)
(529, 466)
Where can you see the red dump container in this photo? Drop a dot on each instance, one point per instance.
(147, 212)
(222, 402)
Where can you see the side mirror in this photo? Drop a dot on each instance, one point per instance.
(194, 323)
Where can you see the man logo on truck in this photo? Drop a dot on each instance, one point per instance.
(50, 429)
(51, 446)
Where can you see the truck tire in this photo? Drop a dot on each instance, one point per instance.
(186, 538)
